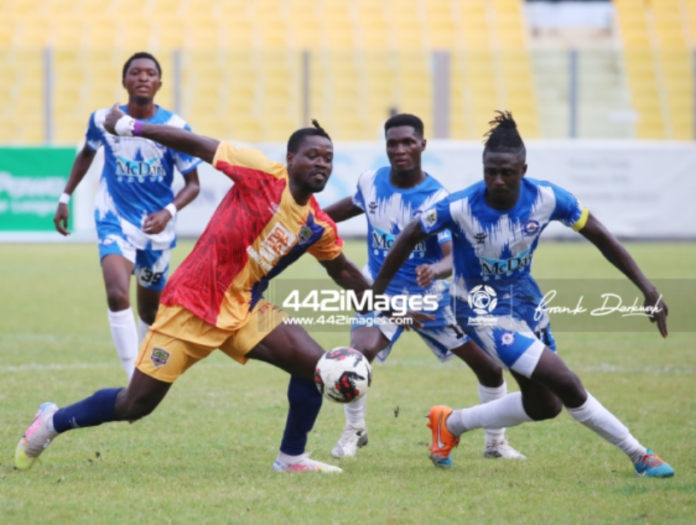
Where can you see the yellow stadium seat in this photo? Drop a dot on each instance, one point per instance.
(202, 34)
(101, 33)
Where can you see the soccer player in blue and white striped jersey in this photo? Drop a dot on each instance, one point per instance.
(495, 226)
(135, 206)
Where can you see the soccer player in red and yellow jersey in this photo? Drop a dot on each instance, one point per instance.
(214, 299)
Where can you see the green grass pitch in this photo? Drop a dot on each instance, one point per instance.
(205, 455)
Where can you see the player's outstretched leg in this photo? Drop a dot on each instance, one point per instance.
(553, 373)
(368, 340)
(491, 387)
(540, 398)
(290, 348)
(110, 404)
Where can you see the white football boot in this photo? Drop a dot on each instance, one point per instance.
(36, 438)
(351, 440)
(302, 463)
(501, 449)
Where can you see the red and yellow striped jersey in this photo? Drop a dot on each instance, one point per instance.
(256, 232)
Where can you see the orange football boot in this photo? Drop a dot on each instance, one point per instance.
(443, 440)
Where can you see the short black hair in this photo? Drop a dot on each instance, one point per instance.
(298, 137)
(136, 56)
(503, 136)
(405, 119)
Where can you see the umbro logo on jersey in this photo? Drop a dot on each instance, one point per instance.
(373, 207)
(480, 237)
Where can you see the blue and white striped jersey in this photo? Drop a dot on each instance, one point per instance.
(137, 176)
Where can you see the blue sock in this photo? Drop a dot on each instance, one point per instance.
(99, 408)
(305, 403)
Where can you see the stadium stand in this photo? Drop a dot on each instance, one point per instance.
(242, 66)
(657, 38)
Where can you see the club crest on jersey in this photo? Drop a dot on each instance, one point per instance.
(480, 237)
(531, 228)
(430, 218)
(507, 339)
(159, 356)
(373, 207)
(304, 235)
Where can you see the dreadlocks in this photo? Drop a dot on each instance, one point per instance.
(503, 136)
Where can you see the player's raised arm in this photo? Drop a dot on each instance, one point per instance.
(118, 123)
(343, 210)
(595, 232)
(398, 254)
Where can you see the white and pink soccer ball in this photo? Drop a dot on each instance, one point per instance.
(343, 375)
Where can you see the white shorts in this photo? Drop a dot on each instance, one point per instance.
(440, 335)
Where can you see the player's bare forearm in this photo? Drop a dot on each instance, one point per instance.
(616, 254)
(181, 140)
(398, 254)
(595, 232)
(443, 268)
(190, 190)
(346, 274)
(79, 169)
(343, 210)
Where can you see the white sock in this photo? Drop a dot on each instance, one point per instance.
(486, 395)
(143, 329)
(287, 459)
(125, 337)
(594, 416)
(355, 413)
(504, 412)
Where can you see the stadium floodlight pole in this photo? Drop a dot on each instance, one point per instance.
(48, 94)
(441, 94)
(176, 59)
(306, 64)
(693, 58)
(573, 93)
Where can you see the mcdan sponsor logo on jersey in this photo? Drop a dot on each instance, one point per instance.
(500, 267)
(385, 240)
(140, 168)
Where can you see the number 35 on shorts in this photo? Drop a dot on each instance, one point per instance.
(151, 268)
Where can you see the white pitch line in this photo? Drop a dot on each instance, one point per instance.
(54, 338)
(604, 368)
(601, 368)
(36, 367)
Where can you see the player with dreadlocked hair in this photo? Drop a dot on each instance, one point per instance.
(390, 197)
(495, 225)
(503, 135)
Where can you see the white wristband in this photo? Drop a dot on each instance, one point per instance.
(64, 199)
(171, 208)
(124, 126)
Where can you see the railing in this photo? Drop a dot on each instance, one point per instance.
(47, 95)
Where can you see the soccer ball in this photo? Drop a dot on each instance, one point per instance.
(343, 375)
